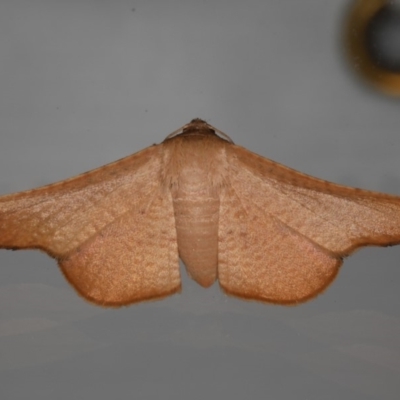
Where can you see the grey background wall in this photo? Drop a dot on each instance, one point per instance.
(86, 82)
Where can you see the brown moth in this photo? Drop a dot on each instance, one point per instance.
(265, 231)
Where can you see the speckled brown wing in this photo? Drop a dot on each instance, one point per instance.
(112, 229)
(283, 234)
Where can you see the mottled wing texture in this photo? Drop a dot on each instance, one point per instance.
(112, 229)
(283, 234)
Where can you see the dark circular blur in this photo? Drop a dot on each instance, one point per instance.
(371, 36)
(383, 38)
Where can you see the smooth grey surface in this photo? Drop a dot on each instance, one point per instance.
(83, 83)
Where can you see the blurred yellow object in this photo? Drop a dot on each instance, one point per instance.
(362, 12)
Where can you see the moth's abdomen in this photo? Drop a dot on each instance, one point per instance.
(193, 172)
(196, 219)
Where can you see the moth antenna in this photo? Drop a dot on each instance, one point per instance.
(181, 129)
(223, 134)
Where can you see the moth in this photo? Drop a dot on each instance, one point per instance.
(264, 231)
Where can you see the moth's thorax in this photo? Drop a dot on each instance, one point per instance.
(195, 166)
(195, 162)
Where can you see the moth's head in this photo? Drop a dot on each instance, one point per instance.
(198, 127)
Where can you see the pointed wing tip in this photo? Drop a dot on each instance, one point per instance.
(381, 241)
